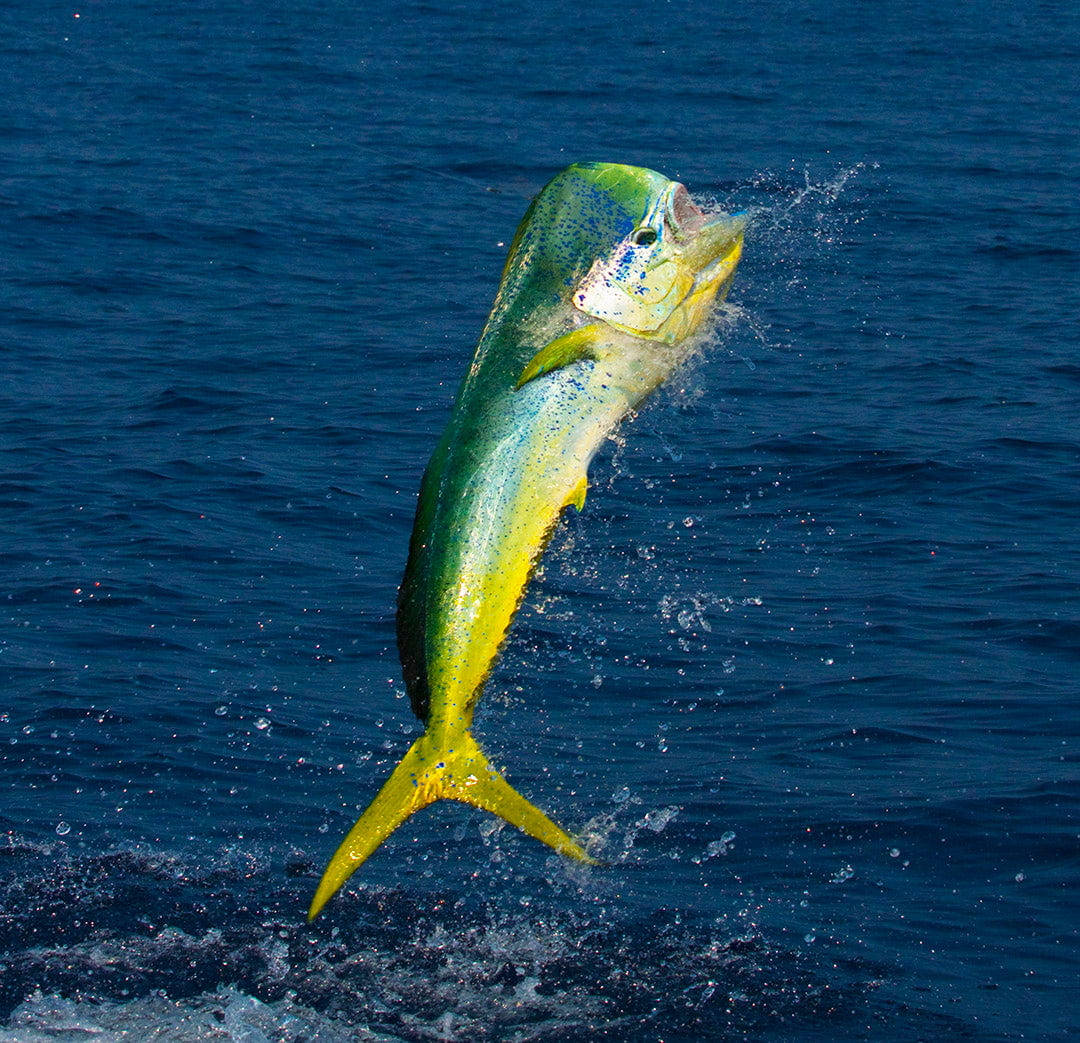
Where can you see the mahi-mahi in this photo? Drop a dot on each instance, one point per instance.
(612, 272)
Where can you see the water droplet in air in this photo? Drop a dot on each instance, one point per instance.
(262, 724)
(62, 829)
(719, 847)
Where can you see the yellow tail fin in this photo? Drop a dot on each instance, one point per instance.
(428, 773)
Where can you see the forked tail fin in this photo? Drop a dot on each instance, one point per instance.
(428, 773)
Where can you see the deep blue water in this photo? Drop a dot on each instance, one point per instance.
(805, 669)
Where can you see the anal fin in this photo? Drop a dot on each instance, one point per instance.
(577, 494)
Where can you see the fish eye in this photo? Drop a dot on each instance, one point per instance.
(644, 236)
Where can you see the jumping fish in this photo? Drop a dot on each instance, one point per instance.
(612, 271)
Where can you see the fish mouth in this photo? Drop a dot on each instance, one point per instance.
(683, 214)
(722, 241)
(709, 246)
(708, 250)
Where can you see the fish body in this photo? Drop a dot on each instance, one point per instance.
(610, 274)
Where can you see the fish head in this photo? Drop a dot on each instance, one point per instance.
(624, 245)
(605, 246)
(659, 279)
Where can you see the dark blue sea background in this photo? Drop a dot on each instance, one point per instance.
(804, 671)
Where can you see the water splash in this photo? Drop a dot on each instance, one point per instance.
(147, 944)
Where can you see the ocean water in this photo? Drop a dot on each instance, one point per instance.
(805, 669)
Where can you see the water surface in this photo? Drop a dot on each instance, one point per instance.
(805, 668)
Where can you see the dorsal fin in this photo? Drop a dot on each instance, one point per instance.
(571, 347)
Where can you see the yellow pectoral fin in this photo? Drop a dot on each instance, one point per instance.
(428, 773)
(572, 347)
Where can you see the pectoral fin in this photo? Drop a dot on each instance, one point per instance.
(572, 347)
